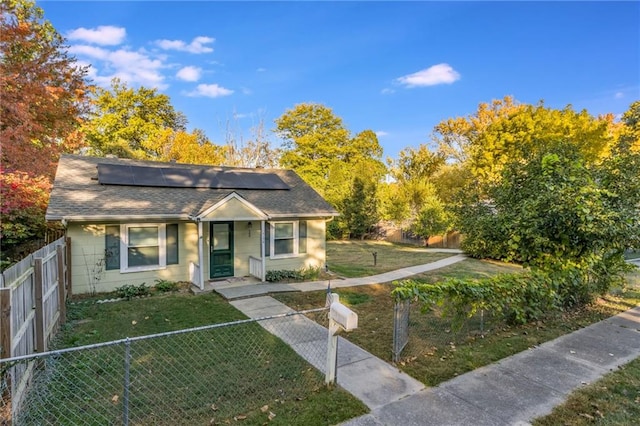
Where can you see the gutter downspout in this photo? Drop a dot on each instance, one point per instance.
(200, 254)
(262, 251)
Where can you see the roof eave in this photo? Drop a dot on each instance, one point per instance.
(97, 218)
(318, 214)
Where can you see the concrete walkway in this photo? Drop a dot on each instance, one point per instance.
(236, 291)
(520, 388)
(370, 379)
(513, 391)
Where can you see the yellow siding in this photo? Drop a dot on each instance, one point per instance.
(245, 246)
(316, 250)
(231, 210)
(88, 245)
(87, 256)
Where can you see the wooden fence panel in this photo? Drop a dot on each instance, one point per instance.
(33, 293)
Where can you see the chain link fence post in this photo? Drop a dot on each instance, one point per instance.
(125, 393)
(400, 327)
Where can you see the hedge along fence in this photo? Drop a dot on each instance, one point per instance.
(516, 298)
(455, 310)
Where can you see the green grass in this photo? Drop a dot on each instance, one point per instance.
(92, 323)
(437, 352)
(612, 400)
(193, 378)
(353, 259)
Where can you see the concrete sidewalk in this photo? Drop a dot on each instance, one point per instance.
(517, 389)
(370, 379)
(235, 291)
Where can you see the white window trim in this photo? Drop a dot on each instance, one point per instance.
(272, 238)
(124, 247)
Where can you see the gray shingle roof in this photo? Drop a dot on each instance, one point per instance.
(77, 195)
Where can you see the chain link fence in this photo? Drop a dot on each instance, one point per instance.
(206, 375)
(417, 333)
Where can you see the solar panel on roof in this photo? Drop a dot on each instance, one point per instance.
(115, 174)
(183, 177)
(147, 176)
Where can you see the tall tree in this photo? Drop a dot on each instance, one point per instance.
(570, 208)
(42, 88)
(183, 147)
(314, 138)
(320, 148)
(414, 173)
(125, 121)
(504, 131)
(360, 208)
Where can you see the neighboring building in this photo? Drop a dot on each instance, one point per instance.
(132, 222)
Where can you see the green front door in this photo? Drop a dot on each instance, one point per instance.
(221, 249)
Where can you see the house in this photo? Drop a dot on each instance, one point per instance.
(133, 222)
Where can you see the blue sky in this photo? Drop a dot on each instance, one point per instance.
(397, 68)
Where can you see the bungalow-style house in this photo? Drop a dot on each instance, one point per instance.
(134, 222)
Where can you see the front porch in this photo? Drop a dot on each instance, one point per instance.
(215, 285)
(231, 244)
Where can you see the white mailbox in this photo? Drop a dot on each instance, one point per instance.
(344, 316)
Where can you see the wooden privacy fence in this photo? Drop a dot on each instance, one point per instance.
(32, 307)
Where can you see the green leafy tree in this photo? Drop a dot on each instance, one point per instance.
(126, 121)
(183, 147)
(42, 88)
(433, 219)
(360, 209)
(619, 175)
(314, 138)
(505, 131)
(414, 172)
(558, 194)
(321, 150)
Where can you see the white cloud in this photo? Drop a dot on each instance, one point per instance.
(381, 133)
(210, 91)
(619, 95)
(189, 73)
(261, 69)
(90, 51)
(104, 35)
(132, 67)
(197, 45)
(434, 75)
(387, 91)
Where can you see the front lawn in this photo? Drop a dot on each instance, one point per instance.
(352, 259)
(213, 376)
(435, 352)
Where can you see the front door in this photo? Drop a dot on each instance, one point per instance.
(221, 249)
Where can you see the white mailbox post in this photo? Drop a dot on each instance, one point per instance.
(340, 317)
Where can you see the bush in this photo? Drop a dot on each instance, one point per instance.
(283, 275)
(302, 274)
(165, 286)
(129, 291)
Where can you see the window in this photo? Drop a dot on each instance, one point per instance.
(112, 247)
(139, 247)
(286, 239)
(302, 233)
(173, 257)
(143, 246)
